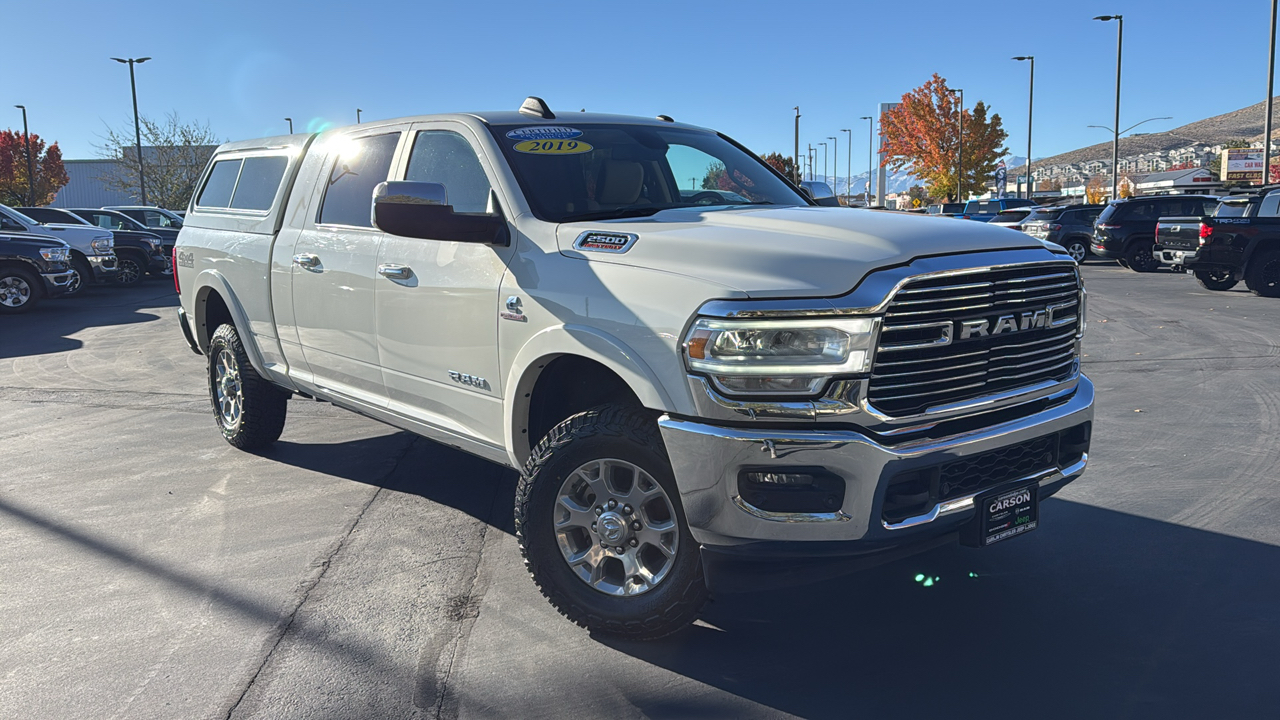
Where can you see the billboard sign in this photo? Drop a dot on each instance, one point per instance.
(1242, 165)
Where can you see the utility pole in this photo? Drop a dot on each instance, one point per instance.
(810, 162)
(31, 172)
(1115, 139)
(848, 166)
(796, 171)
(1271, 76)
(1031, 89)
(137, 132)
(871, 143)
(290, 121)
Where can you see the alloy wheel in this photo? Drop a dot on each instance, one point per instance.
(229, 393)
(128, 272)
(1077, 251)
(616, 527)
(15, 291)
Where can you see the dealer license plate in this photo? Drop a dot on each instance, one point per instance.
(1005, 514)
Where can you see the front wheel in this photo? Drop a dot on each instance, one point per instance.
(19, 290)
(601, 528)
(1215, 279)
(1141, 257)
(248, 409)
(1263, 274)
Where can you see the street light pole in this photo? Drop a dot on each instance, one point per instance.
(824, 161)
(848, 166)
(137, 131)
(358, 111)
(871, 131)
(31, 173)
(811, 162)
(1271, 76)
(835, 161)
(290, 121)
(1031, 90)
(797, 171)
(960, 151)
(1115, 140)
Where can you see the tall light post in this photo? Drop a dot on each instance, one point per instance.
(848, 166)
(871, 142)
(31, 173)
(1271, 78)
(1115, 139)
(358, 111)
(137, 131)
(1031, 91)
(835, 160)
(824, 161)
(960, 149)
(798, 173)
(290, 121)
(811, 162)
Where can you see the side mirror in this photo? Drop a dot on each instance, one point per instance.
(807, 192)
(422, 210)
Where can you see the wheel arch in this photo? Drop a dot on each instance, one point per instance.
(215, 304)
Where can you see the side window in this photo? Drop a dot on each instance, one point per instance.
(154, 219)
(363, 163)
(222, 180)
(1270, 206)
(256, 190)
(445, 157)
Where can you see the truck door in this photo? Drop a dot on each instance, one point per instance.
(437, 325)
(335, 259)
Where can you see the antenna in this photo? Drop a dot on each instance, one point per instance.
(537, 107)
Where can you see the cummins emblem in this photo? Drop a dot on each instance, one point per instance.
(1031, 320)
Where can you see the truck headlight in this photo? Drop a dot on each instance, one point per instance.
(103, 244)
(55, 254)
(779, 357)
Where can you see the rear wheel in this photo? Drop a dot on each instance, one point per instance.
(1263, 274)
(131, 268)
(601, 528)
(1141, 257)
(1215, 279)
(1077, 249)
(19, 290)
(248, 409)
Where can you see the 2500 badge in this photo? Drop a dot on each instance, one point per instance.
(553, 147)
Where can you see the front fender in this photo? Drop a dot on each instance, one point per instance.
(582, 341)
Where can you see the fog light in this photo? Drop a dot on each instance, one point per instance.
(792, 490)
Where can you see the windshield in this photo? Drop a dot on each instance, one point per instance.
(1046, 214)
(595, 171)
(50, 215)
(14, 214)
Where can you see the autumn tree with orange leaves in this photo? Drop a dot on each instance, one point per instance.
(50, 175)
(922, 134)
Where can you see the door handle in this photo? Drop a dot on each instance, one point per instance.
(306, 260)
(395, 272)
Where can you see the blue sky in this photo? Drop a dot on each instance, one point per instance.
(738, 67)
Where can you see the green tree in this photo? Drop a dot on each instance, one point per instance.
(174, 154)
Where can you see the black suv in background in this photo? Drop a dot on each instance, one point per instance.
(1126, 229)
(1070, 226)
(32, 267)
(118, 222)
(137, 253)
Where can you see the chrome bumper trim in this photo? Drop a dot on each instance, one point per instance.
(59, 279)
(750, 509)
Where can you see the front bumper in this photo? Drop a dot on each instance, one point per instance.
(104, 267)
(56, 283)
(707, 461)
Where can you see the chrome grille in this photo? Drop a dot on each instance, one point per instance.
(916, 369)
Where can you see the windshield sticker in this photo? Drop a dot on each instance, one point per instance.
(553, 147)
(546, 132)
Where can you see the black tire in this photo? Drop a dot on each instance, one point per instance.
(627, 435)
(82, 279)
(1262, 276)
(1078, 249)
(259, 418)
(1215, 279)
(1140, 257)
(131, 268)
(20, 290)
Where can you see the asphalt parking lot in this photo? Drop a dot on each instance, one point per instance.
(152, 571)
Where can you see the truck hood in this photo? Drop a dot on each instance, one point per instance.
(72, 233)
(789, 251)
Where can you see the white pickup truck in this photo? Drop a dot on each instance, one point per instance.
(690, 384)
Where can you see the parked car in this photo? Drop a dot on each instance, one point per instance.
(985, 210)
(137, 253)
(1011, 219)
(1239, 240)
(164, 223)
(92, 249)
(713, 197)
(536, 291)
(1070, 226)
(32, 267)
(1126, 229)
(946, 209)
(158, 262)
(821, 193)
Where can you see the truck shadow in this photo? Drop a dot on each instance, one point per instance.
(1099, 614)
(48, 327)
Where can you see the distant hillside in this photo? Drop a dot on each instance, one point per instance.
(1247, 123)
